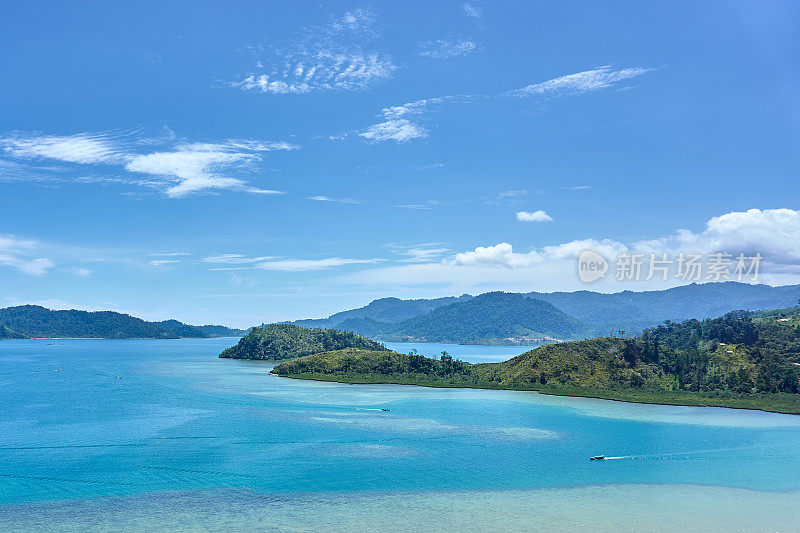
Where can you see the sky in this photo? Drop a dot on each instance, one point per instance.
(248, 162)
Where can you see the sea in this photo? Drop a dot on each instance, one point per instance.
(162, 435)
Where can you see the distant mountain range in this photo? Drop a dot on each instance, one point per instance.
(490, 318)
(33, 321)
(524, 318)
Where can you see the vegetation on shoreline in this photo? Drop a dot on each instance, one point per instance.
(277, 342)
(740, 360)
(776, 403)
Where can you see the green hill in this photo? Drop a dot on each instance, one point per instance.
(493, 317)
(742, 359)
(384, 311)
(276, 342)
(33, 321)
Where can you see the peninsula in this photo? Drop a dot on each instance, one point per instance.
(741, 360)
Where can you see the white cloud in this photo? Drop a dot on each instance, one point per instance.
(322, 71)
(443, 49)
(470, 10)
(233, 145)
(178, 170)
(16, 253)
(189, 170)
(78, 148)
(170, 254)
(774, 233)
(321, 198)
(234, 259)
(397, 129)
(81, 272)
(533, 216)
(302, 265)
(580, 83)
(414, 206)
(324, 58)
(578, 188)
(162, 262)
(420, 253)
(244, 262)
(358, 20)
(398, 126)
(511, 194)
(429, 166)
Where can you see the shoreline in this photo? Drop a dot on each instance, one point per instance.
(677, 398)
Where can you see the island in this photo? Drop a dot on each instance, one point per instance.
(37, 322)
(277, 342)
(748, 360)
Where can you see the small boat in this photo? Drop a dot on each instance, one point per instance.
(598, 458)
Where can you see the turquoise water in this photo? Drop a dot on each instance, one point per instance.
(148, 434)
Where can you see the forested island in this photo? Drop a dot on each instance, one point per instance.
(277, 342)
(36, 322)
(742, 359)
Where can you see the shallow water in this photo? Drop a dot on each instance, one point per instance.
(147, 434)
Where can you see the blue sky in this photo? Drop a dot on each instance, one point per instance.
(252, 161)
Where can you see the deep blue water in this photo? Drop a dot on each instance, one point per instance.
(81, 420)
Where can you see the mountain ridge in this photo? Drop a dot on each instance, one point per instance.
(35, 321)
(596, 313)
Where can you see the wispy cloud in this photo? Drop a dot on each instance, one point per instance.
(511, 194)
(178, 168)
(78, 148)
(471, 10)
(429, 166)
(192, 170)
(244, 262)
(396, 129)
(578, 188)
(162, 262)
(234, 259)
(327, 58)
(321, 198)
(80, 271)
(322, 70)
(400, 123)
(580, 82)
(17, 253)
(443, 49)
(414, 206)
(169, 254)
(302, 265)
(534, 216)
(358, 20)
(420, 253)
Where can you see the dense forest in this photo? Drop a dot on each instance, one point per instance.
(491, 318)
(741, 359)
(276, 342)
(33, 321)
